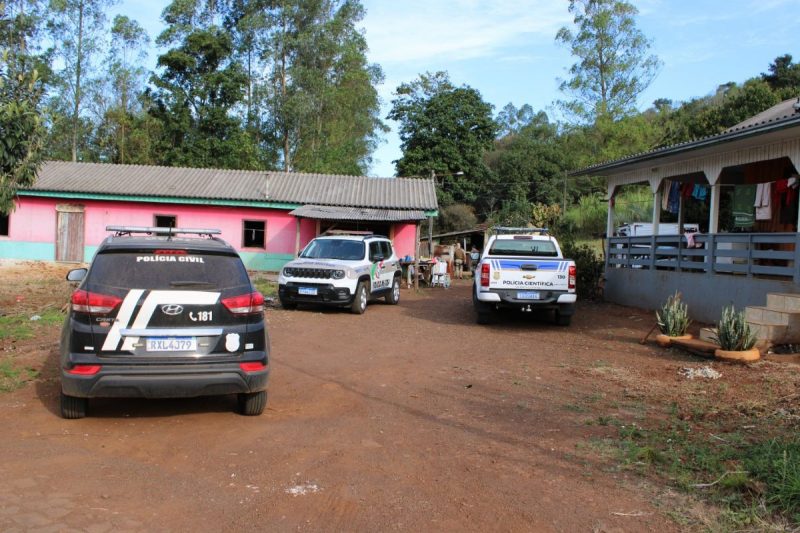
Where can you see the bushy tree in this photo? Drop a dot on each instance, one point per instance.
(198, 91)
(444, 131)
(21, 130)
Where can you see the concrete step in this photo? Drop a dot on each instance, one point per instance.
(783, 301)
(770, 333)
(767, 315)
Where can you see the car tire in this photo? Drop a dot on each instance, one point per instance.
(483, 312)
(563, 320)
(252, 403)
(393, 297)
(289, 306)
(73, 407)
(359, 304)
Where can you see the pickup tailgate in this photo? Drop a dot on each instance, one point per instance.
(529, 274)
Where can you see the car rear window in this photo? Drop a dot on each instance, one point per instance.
(155, 269)
(342, 249)
(523, 247)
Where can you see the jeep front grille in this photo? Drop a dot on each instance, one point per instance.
(319, 273)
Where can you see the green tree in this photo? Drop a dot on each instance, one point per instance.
(316, 102)
(528, 167)
(784, 76)
(21, 131)
(76, 28)
(613, 66)
(124, 84)
(444, 131)
(198, 90)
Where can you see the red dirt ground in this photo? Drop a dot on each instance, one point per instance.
(410, 417)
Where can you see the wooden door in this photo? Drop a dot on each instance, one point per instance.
(69, 233)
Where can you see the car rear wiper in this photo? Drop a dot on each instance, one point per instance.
(189, 283)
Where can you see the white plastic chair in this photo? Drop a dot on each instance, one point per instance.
(439, 275)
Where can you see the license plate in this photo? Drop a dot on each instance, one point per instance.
(308, 291)
(528, 295)
(172, 344)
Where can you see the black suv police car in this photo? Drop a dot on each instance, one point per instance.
(164, 313)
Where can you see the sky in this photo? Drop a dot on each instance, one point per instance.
(506, 49)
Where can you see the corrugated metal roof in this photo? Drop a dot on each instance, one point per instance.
(324, 212)
(782, 115)
(247, 185)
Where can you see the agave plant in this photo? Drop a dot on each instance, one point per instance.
(733, 331)
(673, 318)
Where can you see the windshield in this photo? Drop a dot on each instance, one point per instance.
(345, 250)
(523, 247)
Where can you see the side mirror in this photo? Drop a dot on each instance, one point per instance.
(76, 275)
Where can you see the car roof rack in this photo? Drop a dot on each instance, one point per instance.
(505, 230)
(120, 231)
(351, 233)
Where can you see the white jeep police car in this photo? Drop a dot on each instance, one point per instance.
(342, 270)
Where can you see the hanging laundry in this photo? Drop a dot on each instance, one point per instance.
(789, 207)
(744, 197)
(665, 188)
(699, 192)
(686, 190)
(762, 201)
(674, 197)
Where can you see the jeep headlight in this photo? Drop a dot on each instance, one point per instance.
(337, 274)
(288, 272)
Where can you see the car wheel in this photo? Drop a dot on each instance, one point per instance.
(359, 304)
(394, 295)
(73, 407)
(483, 312)
(287, 305)
(252, 403)
(563, 320)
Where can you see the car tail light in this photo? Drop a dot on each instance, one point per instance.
(254, 366)
(485, 275)
(245, 304)
(170, 252)
(573, 272)
(84, 370)
(94, 303)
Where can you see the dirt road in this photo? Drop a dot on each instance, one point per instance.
(410, 417)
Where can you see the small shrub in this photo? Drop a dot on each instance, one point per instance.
(589, 266)
(733, 331)
(673, 317)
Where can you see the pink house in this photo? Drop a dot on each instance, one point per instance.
(267, 216)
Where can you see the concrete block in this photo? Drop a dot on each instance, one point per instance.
(791, 302)
(754, 313)
(776, 301)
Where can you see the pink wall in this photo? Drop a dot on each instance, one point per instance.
(34, 220)
(405, 235)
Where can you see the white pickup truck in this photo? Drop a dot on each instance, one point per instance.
(523, 268)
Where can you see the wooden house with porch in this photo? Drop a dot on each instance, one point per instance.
(741, 188)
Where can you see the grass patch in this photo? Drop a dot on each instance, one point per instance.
(20, 327)
(13, 377)
(754, 480)
(266, 287)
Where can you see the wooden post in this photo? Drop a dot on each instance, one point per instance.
(713, 209)
(297, 236)
(416, 258)
(657, 209)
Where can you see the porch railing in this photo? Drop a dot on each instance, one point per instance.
(772, 255)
